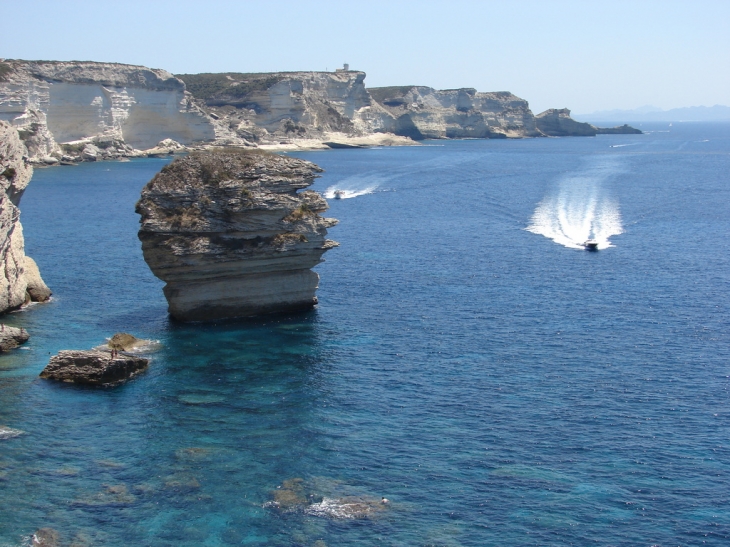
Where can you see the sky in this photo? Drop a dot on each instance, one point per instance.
(586, 55)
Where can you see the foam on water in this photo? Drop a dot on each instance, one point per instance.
(581, 209)
(353, 187)
(9, 432)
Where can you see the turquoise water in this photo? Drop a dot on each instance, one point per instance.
(467, 360)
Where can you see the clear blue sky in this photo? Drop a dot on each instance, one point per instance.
(585, 55)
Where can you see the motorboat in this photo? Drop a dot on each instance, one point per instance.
(339, 194)
(590, 245)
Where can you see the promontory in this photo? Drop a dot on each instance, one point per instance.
(233, 233)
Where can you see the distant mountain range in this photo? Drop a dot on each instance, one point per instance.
(715, 113)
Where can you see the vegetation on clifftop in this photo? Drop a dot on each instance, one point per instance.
(209, 86)
(5, 70)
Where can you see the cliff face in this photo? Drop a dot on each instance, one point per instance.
(232, 236)
(52, 103)
(556, 122)
(81, 111)
(16, 270)
(291, 105)
(426, 113)
(281, 105)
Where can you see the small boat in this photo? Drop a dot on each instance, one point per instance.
(590, 245)
(339, 194)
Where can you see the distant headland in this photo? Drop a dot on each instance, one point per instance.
(716, 113)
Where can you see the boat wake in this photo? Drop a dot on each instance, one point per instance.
(580, 211)
(352, 187)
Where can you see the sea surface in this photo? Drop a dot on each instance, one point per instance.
(468, 360)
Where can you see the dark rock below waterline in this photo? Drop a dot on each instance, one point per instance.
(45, 537)
(11, 338)
(93, 367)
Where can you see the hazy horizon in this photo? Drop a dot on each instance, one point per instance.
(564, 54)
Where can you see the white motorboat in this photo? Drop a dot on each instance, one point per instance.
(590, 245)
(339, 194)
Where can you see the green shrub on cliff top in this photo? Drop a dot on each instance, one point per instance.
(5, 70)
(230, 84)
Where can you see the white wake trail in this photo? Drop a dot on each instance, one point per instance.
(579, 210)
(355, 186)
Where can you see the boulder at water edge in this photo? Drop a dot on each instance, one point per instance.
(93, 367)
(11, 338)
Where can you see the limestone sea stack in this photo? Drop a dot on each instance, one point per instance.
(232, 234)
(93, 367)
(20, 280)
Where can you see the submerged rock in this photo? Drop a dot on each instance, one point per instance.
(45, 537)
(298, 495)
(8, 432)
(232, 236)
(11, 338)
(93, 367)
(110, 496)
(346, 508)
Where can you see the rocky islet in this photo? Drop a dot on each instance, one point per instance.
(93, 367)
(233, 233)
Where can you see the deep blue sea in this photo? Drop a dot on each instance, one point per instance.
(468, 360)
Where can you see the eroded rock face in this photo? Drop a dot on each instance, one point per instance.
(556, 122)
(36, 288)
(15, 174)
(93, 367)
(61, 106)
(269, 107)
(232, 235)
(282, 105)
(11, 337)
(422, 112)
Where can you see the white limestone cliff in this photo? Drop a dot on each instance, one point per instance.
(72, 103)
(287, 107)
(15, 173)
(269, 107)
(85, 111)
(425, 113)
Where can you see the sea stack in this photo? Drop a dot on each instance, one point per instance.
(232, 235)
(20, 280)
